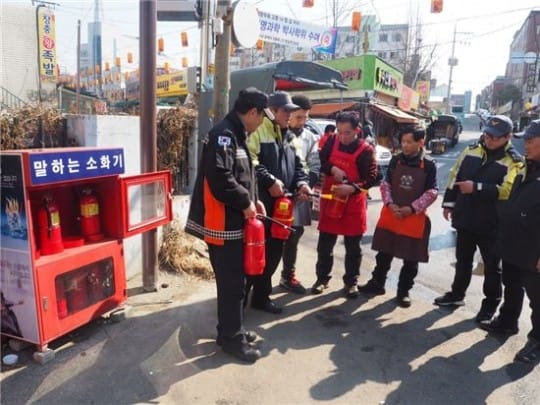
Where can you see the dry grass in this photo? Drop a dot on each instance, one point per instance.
(181, 252)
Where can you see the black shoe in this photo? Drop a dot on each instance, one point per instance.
(530, 352)
(498, 327)
(483, 316)
(239, 348)
(292, 284)
(249, 335)
(269, 306)
(403, 301)
(319, 287)
(372, 287)
(449, 299)
(351, 291)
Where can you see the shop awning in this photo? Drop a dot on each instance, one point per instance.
(327, 109)
(395, 113)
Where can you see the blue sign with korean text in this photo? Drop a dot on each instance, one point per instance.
(75, 165)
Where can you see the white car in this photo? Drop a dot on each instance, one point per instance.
(382, 154)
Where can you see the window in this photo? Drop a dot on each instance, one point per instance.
(383, 37)
(396, 37)
(393, 55)
(381, 54)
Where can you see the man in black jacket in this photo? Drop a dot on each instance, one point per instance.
(481, 178)
(519, 247)
(223, 197)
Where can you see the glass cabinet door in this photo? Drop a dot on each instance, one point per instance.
(148, 202)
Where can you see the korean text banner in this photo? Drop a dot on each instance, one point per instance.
(74, 165)
(288, 31)
(47, 45)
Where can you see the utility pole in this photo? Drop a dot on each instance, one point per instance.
(452, 61)
(78, 91)
(148, 154)
(222, 84)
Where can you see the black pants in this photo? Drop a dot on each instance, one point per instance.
(516, 282)
(228, 264)
(325, 257)
(262, 285)
(466, 244)
(290, 252)
(408, 272)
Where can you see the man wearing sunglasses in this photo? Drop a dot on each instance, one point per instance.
(478, 183)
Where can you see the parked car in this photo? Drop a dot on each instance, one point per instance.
(382, 154)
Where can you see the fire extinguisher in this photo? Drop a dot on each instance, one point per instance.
(90, 219)
(61, 301)
(50, 232)
(336, 205)
(283, 218)
(254, 256)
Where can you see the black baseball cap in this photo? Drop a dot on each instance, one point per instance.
(283, 100)
(498, 126)
(532, 131)
(252, 97)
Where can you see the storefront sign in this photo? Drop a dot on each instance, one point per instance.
(423, 89)
(387, 79)
(47, 45)
(409, 99)
(74, 165)
(296, 33)
(171, 84)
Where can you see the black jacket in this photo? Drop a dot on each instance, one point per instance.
(519, 232)
(226, 168)
(274, 156)
(493, 173)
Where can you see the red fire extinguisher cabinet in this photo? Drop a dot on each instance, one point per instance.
(45, 296)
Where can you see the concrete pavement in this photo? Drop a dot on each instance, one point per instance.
(321, 349)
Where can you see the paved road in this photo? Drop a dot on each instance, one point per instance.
(322, 349)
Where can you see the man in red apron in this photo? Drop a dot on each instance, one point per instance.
(350, 169)
(410, 186)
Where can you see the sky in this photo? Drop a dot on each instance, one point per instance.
(484, 31)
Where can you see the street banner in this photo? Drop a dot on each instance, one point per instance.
(288, 31)
(47, 45)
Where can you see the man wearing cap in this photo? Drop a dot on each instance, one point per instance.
(479, 181)
(305, 144)
(224, 195)
(519, 248)
(279, 171)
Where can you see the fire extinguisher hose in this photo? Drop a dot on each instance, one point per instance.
(276, 222)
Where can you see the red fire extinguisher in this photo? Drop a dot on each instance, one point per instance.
(50, 232)
(61, 301)
(90, 219)
(254, 257)
(283, 214)
(336, 205)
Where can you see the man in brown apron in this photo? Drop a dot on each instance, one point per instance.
(410, 186)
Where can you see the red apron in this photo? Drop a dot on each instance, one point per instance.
(405, 238)
(353, 221)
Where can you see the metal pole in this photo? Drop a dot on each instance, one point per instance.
(78, 91)
(451, 63)
(222, 84)
(147, 51)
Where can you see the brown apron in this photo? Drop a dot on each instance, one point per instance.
(405, 238)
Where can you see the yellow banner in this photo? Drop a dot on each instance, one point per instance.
(47, 45)
(172, 84)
